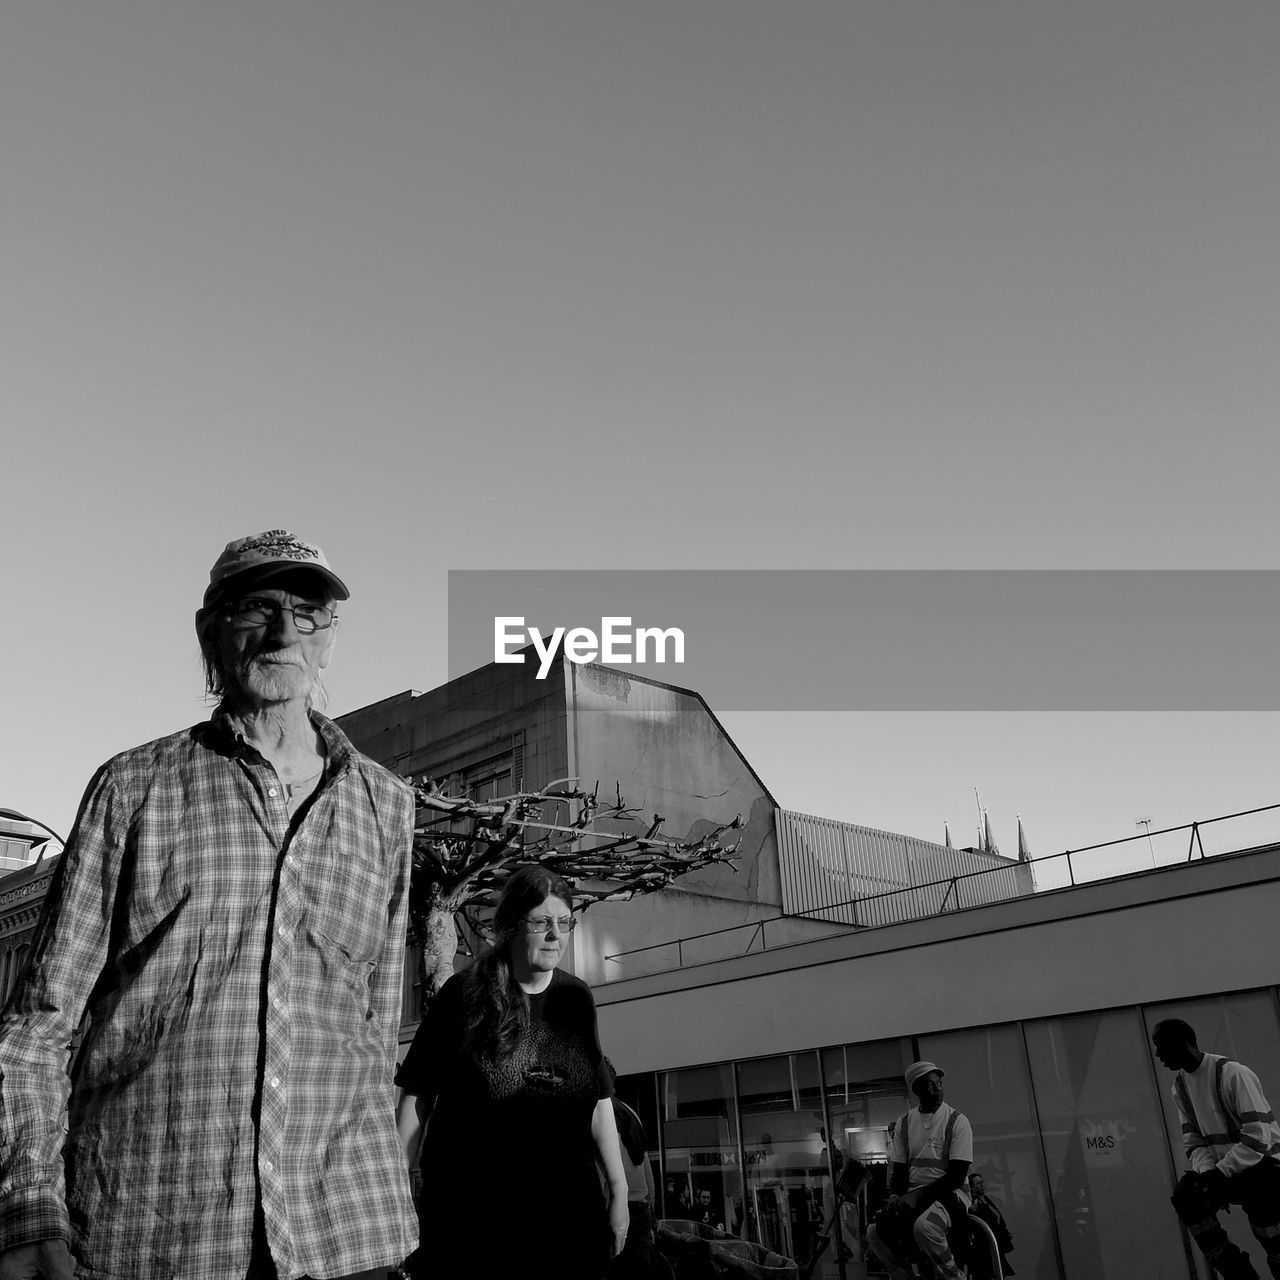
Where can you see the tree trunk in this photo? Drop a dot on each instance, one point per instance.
(439, 944)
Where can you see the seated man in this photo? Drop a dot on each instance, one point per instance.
(930, 1158)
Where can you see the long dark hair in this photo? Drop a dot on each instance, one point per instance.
(495, 1008)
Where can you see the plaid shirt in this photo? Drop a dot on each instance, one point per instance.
(243, 977)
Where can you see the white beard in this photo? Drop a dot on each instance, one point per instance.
(277, 681)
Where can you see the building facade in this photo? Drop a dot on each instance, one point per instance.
(499, 729)
(21, 893)
(761, 1076)
(762, 1020)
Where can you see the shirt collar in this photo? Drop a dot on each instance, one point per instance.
(339, 752)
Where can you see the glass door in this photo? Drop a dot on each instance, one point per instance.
(786, 1173)
(865, 1097)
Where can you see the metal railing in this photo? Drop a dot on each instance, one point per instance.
(1250, 831)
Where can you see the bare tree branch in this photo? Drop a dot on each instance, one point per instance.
(464, 850)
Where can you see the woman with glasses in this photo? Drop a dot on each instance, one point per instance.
(507, 1065)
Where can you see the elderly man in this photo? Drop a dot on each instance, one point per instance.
(930, 1158)
(1232, 1143)
(230, 914)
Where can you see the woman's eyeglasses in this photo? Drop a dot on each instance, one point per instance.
(545, 924)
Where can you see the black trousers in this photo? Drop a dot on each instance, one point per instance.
(1257, 1192)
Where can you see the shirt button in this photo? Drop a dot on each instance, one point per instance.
(268, 1166)
(275, 1082)
(271, 791)
(275, 1002)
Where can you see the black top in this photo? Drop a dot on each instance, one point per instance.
(516, 1132)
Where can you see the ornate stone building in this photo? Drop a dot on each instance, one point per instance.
(21, 893)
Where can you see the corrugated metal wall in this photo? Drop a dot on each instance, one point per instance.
(827, 866)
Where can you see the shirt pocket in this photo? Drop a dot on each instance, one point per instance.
(344, 895)
(160, 875)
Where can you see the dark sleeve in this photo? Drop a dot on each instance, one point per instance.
(952, 1180)
(435, 1045)
(604, 1086)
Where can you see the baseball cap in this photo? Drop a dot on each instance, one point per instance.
(246, 562)
(918, 1069)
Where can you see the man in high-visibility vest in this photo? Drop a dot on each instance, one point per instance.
(1232, 1141)
(930, 1158)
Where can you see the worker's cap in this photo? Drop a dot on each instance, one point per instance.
(918, 1069)
(249, 562)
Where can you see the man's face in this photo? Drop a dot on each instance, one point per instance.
(976, 1184)
(273, 662)
(1172, 1051)
(929, 1090)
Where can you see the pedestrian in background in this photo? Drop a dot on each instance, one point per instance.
(985, 1207)
(639, 1259)
(1232, 1142)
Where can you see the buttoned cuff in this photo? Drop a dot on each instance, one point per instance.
(31, 1214)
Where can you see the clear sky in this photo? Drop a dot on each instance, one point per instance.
(562, 284)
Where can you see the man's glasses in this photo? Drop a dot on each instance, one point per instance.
(545, 924)
(258, 611)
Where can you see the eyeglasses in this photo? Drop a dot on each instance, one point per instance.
(258, 611)
(545, 924)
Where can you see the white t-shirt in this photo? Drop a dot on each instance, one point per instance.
(920, 1142)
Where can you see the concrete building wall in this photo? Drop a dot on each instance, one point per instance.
(660, 746)
(664, 751)
(451, 732)
(671, 756)
(1162, 935)
(667, 753)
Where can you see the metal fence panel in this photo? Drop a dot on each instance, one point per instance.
(857, 875)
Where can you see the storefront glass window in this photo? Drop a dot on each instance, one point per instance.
(1075, 1137)
(1104, 1141)
(638, 1092)
(703, 1177)
(986, 1079)
(865, 1097)
(784, 1142)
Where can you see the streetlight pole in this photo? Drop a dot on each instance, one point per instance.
(1146, 822)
